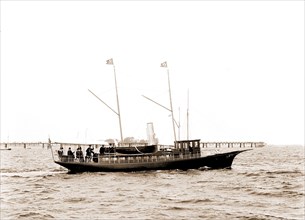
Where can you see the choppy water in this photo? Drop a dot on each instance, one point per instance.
(266, 183)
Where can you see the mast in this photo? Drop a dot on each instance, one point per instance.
(118, 105)
(110, 62)
(187, 115)
(118, 113)
(179, 126)
(164, 64)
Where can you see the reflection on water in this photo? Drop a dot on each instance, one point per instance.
(265, 183)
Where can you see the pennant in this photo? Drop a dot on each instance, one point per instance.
(110, 61)
(164, 64)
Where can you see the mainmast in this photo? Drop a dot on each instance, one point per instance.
(164, 64)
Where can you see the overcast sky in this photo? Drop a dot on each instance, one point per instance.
(241, 61)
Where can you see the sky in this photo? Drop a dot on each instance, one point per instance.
(237, 67)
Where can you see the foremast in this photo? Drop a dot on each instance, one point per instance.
(118, 113)
(117, 98)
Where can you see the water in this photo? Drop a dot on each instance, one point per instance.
(265, 183)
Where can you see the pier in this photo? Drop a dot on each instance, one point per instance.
(5, 145)
(204, 145)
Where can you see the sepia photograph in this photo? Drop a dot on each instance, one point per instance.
(152, 110)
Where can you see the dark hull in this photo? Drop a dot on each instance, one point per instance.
(136, 150)
(217, 161)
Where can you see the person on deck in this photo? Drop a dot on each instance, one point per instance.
(102, 149)
(60, 151)
(111, 148)
(190, 149)
(79, 154)
(70, 154)
(89, 153)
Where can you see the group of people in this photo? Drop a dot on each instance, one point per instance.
(61, 152)
(110, 149)
(90, 154)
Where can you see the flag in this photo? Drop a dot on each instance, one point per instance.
(164, 64)
(110, 61)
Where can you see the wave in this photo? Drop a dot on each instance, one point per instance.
(28, 174)
(176, 208)
(261, 217)
(35, 215)
(274, 174)
(75, 200)
(279, 193)
(192, 201)
(280, 172)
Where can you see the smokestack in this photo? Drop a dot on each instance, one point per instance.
(151, 137)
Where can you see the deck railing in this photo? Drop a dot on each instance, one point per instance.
(115, 159)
